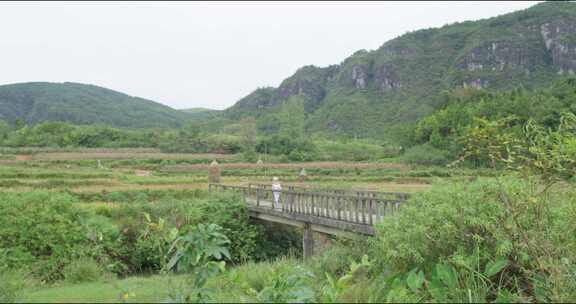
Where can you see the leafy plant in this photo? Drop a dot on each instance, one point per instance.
(195, 253)
(336, 287)
(83, 270)
(292, 286)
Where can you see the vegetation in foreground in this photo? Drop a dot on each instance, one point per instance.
(508, 239)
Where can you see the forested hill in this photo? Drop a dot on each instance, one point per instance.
(201, 113)
(83, 104)
(372, 91)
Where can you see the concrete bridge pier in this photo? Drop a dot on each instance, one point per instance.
(307, 241)
(313, 242)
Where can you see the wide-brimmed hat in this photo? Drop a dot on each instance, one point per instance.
(275, 179)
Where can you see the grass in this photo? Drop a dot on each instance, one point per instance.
(156, 288)
(139, 289)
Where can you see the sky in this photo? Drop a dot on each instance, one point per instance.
(204, 54)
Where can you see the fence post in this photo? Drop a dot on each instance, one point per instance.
(356, 208)
(258, 197)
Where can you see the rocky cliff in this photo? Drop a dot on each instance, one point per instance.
(403, 79)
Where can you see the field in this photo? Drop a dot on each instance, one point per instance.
(141, 169)
(128, 202)
(117, 176)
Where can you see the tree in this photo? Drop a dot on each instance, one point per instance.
(489, 143)
(292, 117)
(191, 131)
(248, 135)
(4, 129)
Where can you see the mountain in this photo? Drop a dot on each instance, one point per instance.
(83, 104)
(371, 92)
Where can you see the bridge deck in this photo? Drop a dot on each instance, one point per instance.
(327, 212)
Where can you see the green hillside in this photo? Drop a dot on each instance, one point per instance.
(196, 110)
(372, 93)
(200, 113)
(83, 104)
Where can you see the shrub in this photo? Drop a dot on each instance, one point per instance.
(288, 286)
(506, 222)
(426, 155)
(11, 284)
(44, 227)
(83, 270)
(335, 260)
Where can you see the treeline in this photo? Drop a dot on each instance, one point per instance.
(471, 125)
(477, 126)
(60, 134)
(280, 134)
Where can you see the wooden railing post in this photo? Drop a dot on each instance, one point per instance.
(258, 197)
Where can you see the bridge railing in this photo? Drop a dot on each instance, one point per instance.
(364, 193)
(358, 209)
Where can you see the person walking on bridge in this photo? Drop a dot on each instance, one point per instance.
(276, 188)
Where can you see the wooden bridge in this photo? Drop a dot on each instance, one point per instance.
(334, 212)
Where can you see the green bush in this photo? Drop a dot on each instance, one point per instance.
(353, 150)
(12, 282)
(83, 270)
(426, 155)
(48, 230)
(288, 286)
(335, 260)
(43, 228)
(456, 231)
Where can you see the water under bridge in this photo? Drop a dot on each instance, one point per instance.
(346, 213)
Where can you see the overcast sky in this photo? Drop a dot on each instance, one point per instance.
(204, 54)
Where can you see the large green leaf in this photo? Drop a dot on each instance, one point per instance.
(437, 289)
(415, 279)
(447, 274)
(494, 267)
